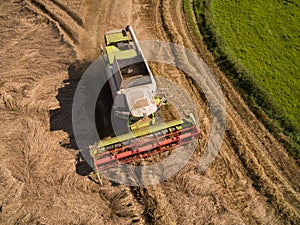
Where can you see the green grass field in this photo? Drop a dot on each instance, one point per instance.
(265, 38)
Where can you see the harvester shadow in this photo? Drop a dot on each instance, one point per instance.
(61, 118)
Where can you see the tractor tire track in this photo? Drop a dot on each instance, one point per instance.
(75, 17)
(252, 180)
(173, 28)
(257, 128)
(68, 33)
(290, 208)
(99, 18)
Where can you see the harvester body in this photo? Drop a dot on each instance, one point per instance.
(133, 89)
(131, 82)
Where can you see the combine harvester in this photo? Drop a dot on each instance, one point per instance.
(133, 89)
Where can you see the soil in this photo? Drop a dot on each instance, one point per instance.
(46, 45)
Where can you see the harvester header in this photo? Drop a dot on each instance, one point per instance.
(143, 143)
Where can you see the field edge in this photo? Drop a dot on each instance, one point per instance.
(283, 127)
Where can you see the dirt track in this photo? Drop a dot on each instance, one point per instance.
(45, 47)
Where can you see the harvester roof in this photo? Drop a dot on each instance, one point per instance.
(113, 51)
(115, 37)
(119, 46)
